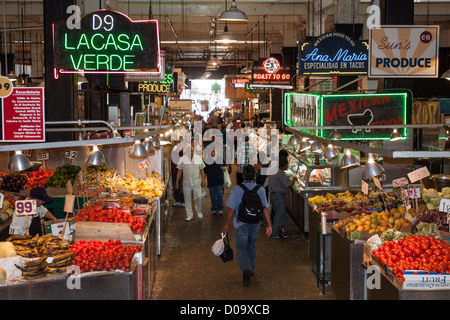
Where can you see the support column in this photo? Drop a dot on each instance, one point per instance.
(59, 93)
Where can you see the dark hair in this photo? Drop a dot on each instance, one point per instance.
(283, 153)
(283, 161)
(249, 172)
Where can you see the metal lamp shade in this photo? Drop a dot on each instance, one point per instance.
(317, 147)
(335, 135)
(96, 158)
(372, 169)
(138, 150)
(294, 140)
(348, 160)
(233, 14)
(156, 143)
(330, 152)
(19, 162)
(304, 145)
(395, 135)
(226, 36)
(148, 145)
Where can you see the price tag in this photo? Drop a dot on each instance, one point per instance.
(364, 187)
(413, 193)
(6, 87)
(25, 207)
(143, 165)
(377, 183)
(399, 182)
(43, 156)
(69, 203)
(418, 174)
(444, 206)
(73, 155)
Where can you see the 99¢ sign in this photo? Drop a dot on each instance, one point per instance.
(25, 207)
(6, 87)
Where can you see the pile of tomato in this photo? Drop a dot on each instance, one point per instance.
(116, 215)
(95, 255)
(414, 253)
(38, 178)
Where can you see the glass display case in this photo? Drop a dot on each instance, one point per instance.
(310, 170)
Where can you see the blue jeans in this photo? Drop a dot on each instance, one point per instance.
(216, 194)
(278, 202)
(246, 236)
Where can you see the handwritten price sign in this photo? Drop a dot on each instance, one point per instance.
(399, 182)
(143, 165)
(418, 174)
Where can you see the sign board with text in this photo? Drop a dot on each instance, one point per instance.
(397, 51)
(107, 42)
(23, 115)
(333, 53)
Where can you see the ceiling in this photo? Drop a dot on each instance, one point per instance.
(188, 27)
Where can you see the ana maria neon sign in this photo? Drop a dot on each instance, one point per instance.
(107, 42)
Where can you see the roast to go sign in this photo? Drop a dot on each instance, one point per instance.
(403, 51)
(107, 41)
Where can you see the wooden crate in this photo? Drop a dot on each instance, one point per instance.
(103, 231)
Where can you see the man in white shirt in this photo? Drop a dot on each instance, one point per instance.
(19, 223)
(191, 166)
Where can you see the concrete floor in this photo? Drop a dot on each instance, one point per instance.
(188, 270)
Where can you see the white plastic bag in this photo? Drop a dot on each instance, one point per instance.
(226, 179)
(218, 246)
(204, 195)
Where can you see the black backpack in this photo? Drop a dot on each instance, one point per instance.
(251, 209)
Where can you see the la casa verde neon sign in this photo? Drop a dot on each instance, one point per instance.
(107, 42)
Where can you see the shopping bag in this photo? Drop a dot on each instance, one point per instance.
(226, 179)
(227, 253)
(204, 195)
(218, 246)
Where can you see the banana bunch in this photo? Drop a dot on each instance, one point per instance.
(317, 199)
(151, 187)
(60, 263)
(34, 269)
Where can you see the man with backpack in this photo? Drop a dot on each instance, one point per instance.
(247, 206)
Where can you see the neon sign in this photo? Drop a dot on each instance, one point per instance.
(348, 110)
(333, 53)
(107, 42)
(271, 74)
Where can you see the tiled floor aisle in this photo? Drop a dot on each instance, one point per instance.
(187, 269)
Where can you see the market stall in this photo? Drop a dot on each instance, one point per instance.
(114, 209)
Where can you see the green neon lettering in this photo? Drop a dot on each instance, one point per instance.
(137, 43)
(83, 42)
(76, 65)
(89, 62)
(93, 41)
(125, 42)
(66, 46)
(102, 59)
(126, 62)
(111, 42)
(112, 59)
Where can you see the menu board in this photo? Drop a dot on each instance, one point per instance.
(23, 115)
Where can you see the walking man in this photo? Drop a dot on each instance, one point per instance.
(246, 233)
(191, 168)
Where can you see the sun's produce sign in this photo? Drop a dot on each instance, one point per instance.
(107, 42)
(404, 51)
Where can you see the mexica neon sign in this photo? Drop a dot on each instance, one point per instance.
(107, 42)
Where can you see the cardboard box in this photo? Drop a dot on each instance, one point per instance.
(423, 280)
(56, 228)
